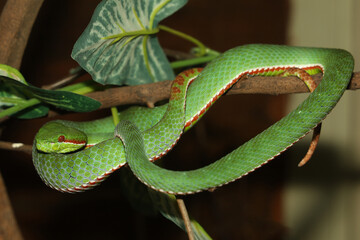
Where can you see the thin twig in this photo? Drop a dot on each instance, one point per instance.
(21, 147)
(186, 218)
(178, 55)
(65, 81)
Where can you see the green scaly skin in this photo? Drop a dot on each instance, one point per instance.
(83, 169)
(74, 171)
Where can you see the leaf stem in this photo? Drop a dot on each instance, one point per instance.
(12, 100)
(187, 37)
(82, 87)
(137, 18)
(115, 115)
(19, 107)
(119, 36)
(156, 10)
(195, 61)
(146, 58)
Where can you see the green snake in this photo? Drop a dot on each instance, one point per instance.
(151, 133)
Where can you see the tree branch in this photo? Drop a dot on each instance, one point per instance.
(8, 225)
(154, 92)
(16, 147)
(16, 21)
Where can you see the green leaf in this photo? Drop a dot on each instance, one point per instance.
(168, 207)
(11, 72)
(149, 202)
(119, 46)
(33, 112)
(8, 95)
(61, 99)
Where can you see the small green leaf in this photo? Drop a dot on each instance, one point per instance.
(8, 95)
(61, 99)
(119, 45)
(11, 72)
(33, 112)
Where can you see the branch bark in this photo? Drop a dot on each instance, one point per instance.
(151, 93)
(16, 21)
(8, 226)
(21, 147)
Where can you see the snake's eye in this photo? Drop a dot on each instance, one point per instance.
(61, 138)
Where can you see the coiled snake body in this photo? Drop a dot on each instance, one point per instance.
(83, 169)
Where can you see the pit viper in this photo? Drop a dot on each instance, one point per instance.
(150, 133)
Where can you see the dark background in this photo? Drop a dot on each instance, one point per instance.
(250, 208)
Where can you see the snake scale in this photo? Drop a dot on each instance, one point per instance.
(150, 133)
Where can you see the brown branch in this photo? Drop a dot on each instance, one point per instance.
(65, 81)
(154, 92)
(21, 147)
(8, 225)
(185, 216)
(16, 21)
(177, 55)
(140, 94)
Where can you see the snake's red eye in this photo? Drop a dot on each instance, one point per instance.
(61, 138)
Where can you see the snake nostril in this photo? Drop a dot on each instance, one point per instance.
(61, 138)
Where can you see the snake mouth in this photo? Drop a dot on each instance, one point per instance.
(58, 148)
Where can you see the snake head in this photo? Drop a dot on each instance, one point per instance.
(55, 137)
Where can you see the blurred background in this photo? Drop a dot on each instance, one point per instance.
(278, 201)
(322, 200)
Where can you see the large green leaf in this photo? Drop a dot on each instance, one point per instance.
(61, 99)
(119, 46)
